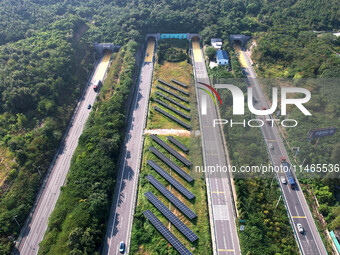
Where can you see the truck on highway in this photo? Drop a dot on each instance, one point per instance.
(97, 85)
(287, 169)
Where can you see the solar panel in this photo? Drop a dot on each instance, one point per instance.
(173, 109)
(171, 197)
(171, 164)
(166, 233)
(173, 87)
(173, 101)
(173, 94)
(178, 144)
(171, 150)
(171, 180)
(171, 217)
(182, 123)
(179, 83)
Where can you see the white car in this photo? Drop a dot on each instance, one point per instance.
(283, 180)
(271, 146)
(300, 228)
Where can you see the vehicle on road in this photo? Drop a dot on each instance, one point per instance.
(287, 169)
(283, 180)
(147, 54)
(97, 85)
(300, 228)
(271, 146)
(89, 106)
(122, 247)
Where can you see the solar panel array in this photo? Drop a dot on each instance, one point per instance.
(171, 180)
(171, 164)
(171, 197)
(173, 101)
(173, 94)
(171, 150)
(182, 123)
(166, 233)
(173, 87)
(178, 144)
(179, 83)
(171, 217)
(173, 109)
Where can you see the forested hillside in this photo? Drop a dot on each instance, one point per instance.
(46, 55)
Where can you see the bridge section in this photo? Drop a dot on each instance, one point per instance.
(184, 36)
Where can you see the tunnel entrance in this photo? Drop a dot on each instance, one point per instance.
(101, 48)
(240, 40)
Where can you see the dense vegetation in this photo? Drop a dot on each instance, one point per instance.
(40, 80)
(77, 224)
(172, 50)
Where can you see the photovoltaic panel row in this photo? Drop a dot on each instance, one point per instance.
(173, 87)
(166, 233)
(171, 150)
(178, 144)
(182, 123)
(179, 83)
(173, 101)
(171, 197)
(171, 164)
(171, 217)
(173, 94)
(173, 109)
(171, 180)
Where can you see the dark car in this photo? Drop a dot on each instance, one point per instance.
(122, 247)
(89, 106)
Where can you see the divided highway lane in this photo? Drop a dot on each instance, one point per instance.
(122, 210)
(34, 232)
(310, 242)
(225, 237)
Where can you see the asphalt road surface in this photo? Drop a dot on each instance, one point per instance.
(224, 227)
(122, 210)
(35, 230)
(310, 242)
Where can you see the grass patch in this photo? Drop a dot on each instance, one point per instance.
(181, 71)
(145, 238)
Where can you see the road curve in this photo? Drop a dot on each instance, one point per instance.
(34, 231)
(310, 242)
(122, 210)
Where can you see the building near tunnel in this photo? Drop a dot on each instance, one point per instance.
(222, 57)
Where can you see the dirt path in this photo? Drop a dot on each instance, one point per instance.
(179, 132)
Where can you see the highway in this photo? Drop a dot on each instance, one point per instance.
(124, 198)
(222, 218)
(310, 242)
(33, 232)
